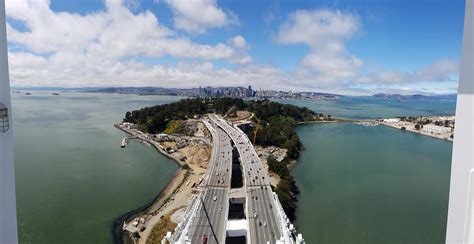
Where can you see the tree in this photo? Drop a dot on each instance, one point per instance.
(417, 126)
(128, 116)
(403, 128)
(186, 167)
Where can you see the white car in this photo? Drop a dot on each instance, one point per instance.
(215, 198)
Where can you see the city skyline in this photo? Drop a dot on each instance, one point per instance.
(349, 48)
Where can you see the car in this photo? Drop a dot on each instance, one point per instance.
(215, 198)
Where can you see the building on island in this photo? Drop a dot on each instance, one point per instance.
(436, 129)
(392, 120)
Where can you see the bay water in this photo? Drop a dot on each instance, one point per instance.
(358, 184)
(371, 185)
(72, 177)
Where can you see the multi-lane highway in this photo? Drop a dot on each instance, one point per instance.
(237, 204)
(263, 218)
(209, 222)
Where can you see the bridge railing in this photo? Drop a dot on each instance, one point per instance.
(182, 229)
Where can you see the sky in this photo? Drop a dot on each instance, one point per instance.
(351, 47)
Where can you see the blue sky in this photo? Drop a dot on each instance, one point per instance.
(348, 47)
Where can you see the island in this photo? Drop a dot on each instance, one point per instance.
(181, 131)
(440, 127)
(178, 130)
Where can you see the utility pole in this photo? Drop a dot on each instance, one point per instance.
(8, 223)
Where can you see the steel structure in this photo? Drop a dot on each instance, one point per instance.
(8, 222)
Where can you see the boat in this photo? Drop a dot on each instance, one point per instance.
(124, 142)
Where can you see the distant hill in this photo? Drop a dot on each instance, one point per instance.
(144, 90)
(415, 96)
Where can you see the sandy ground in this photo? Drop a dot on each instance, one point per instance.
(201, 130)
(178, 216)
(241, 115)
(197, 157)
(176, 194)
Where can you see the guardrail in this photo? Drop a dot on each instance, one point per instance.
(181, 231)
(288, 230)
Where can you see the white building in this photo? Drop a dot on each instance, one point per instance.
(128, 125)
(392, 120)
(435, 129)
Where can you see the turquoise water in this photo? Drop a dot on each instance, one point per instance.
(371, 185)
(72, 177)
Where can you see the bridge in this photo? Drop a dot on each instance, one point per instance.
(237, 204)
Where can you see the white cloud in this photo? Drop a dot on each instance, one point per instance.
(319, 28)
(325, 32)
(101, 48)
(132, 4)
(239, 42)
(439, 71)
(107, 48)
(76, 70)
(114, 33)
(196, 16)
(330, 65)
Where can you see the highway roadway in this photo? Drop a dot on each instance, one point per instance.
(210, 220)
(261, 211)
